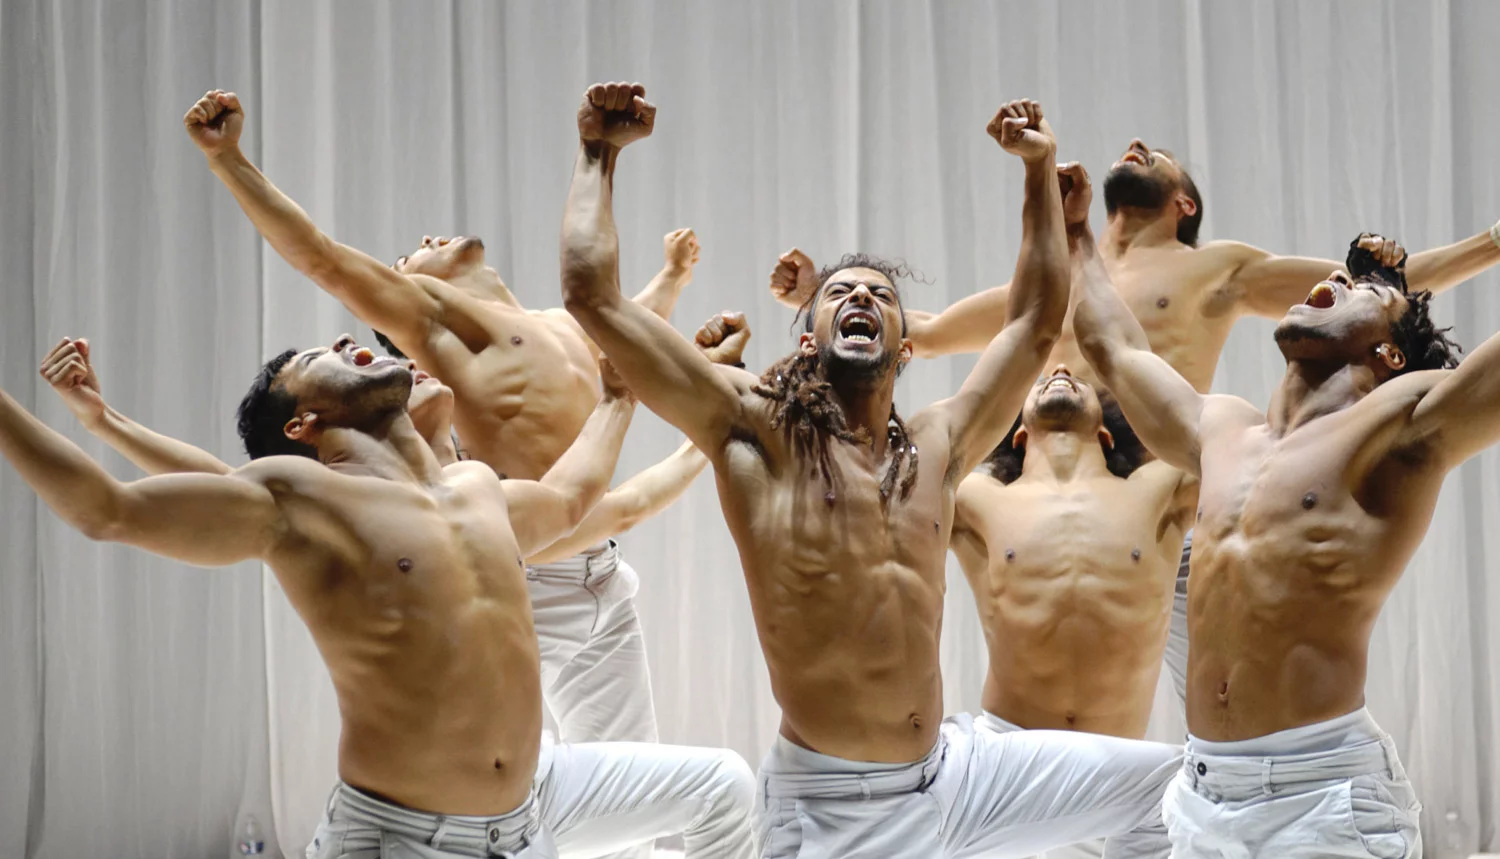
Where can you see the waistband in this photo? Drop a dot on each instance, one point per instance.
(989, 720)
(501, 836)
(1342, 748)
(792, 772)
(591, 563)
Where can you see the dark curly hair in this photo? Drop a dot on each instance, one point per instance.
(264, 412)
(806, 409)
(1426, 346)
(1004, 462)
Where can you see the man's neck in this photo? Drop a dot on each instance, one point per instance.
(1130, 228)
(1310, 390)
(867, 406)
(440, 439)
(1063, 457)
(391, 448)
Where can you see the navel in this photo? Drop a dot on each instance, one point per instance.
(404, 565)
(1309, 500)
(1072, 719)
(1200, 514)
(916, 721)
(1224, 692)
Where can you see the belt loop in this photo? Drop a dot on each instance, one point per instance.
(1266, 784)
(1392, 761)
(437, 836)
(864, 787)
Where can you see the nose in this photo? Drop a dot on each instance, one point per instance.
(426, 240)
(1062, 370)
(411, 366)
(344, 342)
(443, 240)
(1340, 278)
(861, 292)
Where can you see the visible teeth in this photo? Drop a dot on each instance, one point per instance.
(859, 338)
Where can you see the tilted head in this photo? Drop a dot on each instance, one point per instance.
(298, 395)
(854, 323)
(430, 403)
(1153, 181)
(1369, 318)
(458, 260)
(1062, 403)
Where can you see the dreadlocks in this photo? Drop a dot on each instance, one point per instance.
(1425, 346)
(807, 410)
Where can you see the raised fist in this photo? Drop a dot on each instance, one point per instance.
(1021, 131)
(67, 369)
(794, 279)
(1077, 192)
(614, 385)
(615, 114)
(723, 338)
(681, 248)
(215, 121)
(1385, 251)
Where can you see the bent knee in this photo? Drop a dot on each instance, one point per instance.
(734, 781)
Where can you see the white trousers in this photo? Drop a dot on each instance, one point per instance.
(594, 676)
(588, 800)
(1176, 654)
(1333, 788)
(1150, 840)
(979, 792)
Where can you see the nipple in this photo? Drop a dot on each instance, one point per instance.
(516, 340)
(937, 526)
(404, 565)
(1135, 555)
(1163, 302)
(497, 763)
(829, 499)
(1010, 555)
(1309, 500)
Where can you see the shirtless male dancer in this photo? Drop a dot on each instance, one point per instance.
(1309, 514)
(1187, 297)
(409, 576)
(841, 512)
(523, 383)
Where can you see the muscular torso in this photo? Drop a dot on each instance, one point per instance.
(1178, 296)
(1300, 540)
(524, 382)
(417, 601)
(847, 593)
(1074, 587)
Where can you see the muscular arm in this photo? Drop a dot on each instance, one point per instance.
(979, 415)
(1267, 285)
(544, 511)
(629, 504)
(1460, 415)
(152, 452)
(1163, 409)
(202, 519)
(662, 369)
(967, 325)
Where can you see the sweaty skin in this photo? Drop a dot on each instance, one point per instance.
(1186, 299)
(1072, 568)
(846, 587)
(524, 381)
(69, 369)
(1310, 510)
(407, 573)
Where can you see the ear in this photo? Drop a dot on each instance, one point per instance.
(302, 427)
(806, 343)
(1392, 356)
(1185, 206)
(904, 352)
(1106, 438)
(1018, 441)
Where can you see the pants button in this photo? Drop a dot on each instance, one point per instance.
(494, 835)
(1202, 769)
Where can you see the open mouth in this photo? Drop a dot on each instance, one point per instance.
(1323, 296)
(418, 377)
(859, 326)
(1135, 156)
(1060, 383)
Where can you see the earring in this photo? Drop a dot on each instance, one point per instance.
(1391, 355)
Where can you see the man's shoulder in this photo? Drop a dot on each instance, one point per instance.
(284, 472)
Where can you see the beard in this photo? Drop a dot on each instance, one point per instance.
(1058, 410)
(860, 369)
(1129, 187)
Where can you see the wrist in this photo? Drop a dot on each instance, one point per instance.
(679, 271)
(1495, 234)
(226, 156)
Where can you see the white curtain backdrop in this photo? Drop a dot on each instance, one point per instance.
(145, 704)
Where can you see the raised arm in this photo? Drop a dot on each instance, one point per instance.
(662, 369)
(386, 300)
(1267, 285)
(70, 371)
(1161, 406)
(681, 249)
(1460, 415)
(978, 416)
(204, 519)
(544, 511)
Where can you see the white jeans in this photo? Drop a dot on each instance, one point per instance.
(594, 675)
(1333, 788)
(978, 793)
(1149, 840)
(587, 800)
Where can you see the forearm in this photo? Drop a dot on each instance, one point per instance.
(590, 245)
(80, 491)
(151, 451)
(1446, 267)
(631, 503)
(1039, 291)
(1101, 320)
(660, 295)
(283, 224)
(583, 472)
(967, 325)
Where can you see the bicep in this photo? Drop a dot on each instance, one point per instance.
(1269, 285)
(979, 415)
(1162, 408)
(1463, 406)
(967, 325)
(208, 520)
(397, 305)
(539, 515)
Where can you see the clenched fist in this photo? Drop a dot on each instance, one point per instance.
(681, 248)
(1386, 251)
(794, 279)
(68, 370)
(1077, 192)
(724, 337)
(1021, 131)
(615, 114)
(215, 122)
